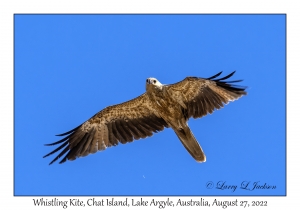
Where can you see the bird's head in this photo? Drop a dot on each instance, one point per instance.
(153, 82)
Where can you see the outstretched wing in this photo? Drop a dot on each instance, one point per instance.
(122, 123)
(200, 96)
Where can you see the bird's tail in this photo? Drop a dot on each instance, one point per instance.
(190, 143)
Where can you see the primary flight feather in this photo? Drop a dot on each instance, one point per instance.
(159, 107)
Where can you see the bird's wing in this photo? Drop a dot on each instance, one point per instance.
(200, 96)
(122, 123)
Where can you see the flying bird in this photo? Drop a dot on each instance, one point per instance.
(160, 106)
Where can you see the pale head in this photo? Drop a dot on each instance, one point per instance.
(153, 81)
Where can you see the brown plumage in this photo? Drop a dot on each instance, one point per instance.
(159, 107)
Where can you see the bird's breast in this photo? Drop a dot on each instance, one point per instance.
(167, 107)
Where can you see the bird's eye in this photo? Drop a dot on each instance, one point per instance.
(147, 80)
(154, 81)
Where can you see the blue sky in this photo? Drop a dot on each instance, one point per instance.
(69, 67)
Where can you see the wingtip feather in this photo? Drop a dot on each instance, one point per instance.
(226, 77)
(68, 132)
(216, 75)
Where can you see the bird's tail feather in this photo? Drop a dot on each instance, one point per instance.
(191, 144)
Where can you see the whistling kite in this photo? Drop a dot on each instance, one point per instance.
(159, 107)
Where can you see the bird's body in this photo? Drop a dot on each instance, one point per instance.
(171, 111)
(159, 107)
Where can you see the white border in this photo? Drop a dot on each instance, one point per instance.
(9, 8)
